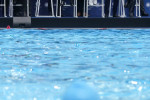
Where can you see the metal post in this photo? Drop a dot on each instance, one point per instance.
(4, 5)
(110, 8)
(84, 9)
(123, 3)
(5, 8)
(36, 8)
(75, 9)
(103, 15)
(122, 9)
(138, 7)
(28, 8)
(86, 6)
(58, 8)
(11, 8)
(52, 8)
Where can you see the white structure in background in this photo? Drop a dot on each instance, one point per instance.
(59, 8)
(4, 5)
(138, 7)
(11, 7)
(92, 3)
(121, 9)
(37, 12)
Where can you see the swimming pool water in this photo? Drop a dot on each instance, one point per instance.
(41, 64)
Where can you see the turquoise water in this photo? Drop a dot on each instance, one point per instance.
(41, 64)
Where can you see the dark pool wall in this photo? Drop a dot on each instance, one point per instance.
(67, 11)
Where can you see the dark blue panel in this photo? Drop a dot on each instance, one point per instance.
(33, 4)
(44, 7)
(147, 6)
(95, 11)
(1, 9)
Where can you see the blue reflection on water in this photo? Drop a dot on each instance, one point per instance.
(41, 64)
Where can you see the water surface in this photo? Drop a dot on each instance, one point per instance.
(41, 64)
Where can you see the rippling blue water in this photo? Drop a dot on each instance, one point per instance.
(41, 64)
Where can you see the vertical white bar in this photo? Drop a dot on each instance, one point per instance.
(5, 8)
(123, 2)
(76, 7)
(87, 8)
(52, 8)
(58, 7)
(139, 8)
(103, 8)
(36, 9)
(28, 8)
(136, 7)
(110, 9)
(84, 9)
(11, 8)
(39, 3)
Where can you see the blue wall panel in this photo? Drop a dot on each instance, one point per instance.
(147, 6)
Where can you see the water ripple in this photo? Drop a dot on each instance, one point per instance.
(40, 64)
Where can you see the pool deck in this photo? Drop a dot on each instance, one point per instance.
(79, 23)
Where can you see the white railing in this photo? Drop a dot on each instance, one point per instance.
(37, 12)
(59, 8)
(11, 7)
(121, 8)
(4, 5)
(87, 5)
(138, 8)
(121, 11)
